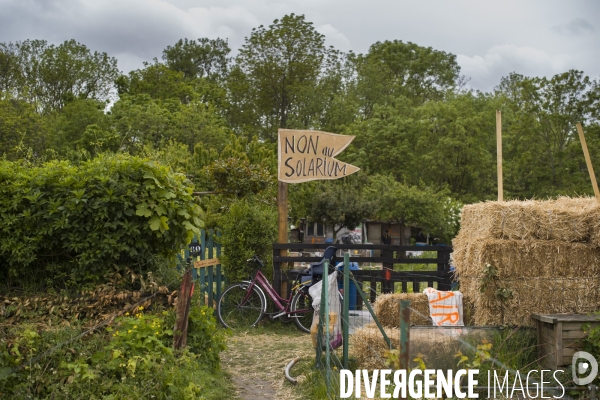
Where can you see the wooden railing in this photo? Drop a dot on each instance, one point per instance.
(386, 276)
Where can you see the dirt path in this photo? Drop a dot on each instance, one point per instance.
(256, 362)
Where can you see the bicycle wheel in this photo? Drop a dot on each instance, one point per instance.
(302, 310)
(233, 312)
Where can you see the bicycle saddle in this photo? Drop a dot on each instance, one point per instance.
(316, 270)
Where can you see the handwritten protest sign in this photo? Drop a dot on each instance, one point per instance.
(310, 155)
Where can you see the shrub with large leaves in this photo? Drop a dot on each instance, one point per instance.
(79, 220)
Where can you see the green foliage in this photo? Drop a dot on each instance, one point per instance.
(204, 336)
(250, 227)
(141, 120)
(77, 221)
(591, 343)
(21, 128)
(543, 150)
(424, 207)
(394, 69)
(202, 58)
(133, 359)
(342, 203)
(276, 73)
(238, 177)
(50, 76)
(83, 125)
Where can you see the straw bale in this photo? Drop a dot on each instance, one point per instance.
(387, 310)
(532, 295)
(526, 258)
(565, 219)
(369, 348)
(492, 219)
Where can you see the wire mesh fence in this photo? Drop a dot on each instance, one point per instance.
(507, 358)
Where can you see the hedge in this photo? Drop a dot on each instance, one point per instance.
(84, 220)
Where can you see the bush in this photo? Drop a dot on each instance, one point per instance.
(250, 227)
(77, 221)
(133, 359)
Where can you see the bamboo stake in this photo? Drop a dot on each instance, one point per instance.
(588, 161)
(499, 152)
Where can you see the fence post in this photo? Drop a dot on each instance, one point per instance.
(443, 269)
(325, 296)
(183, 310)
(219, 272)
(403, 356)
(210, 269)
(346, 310)
(202, 288)
(387, 285)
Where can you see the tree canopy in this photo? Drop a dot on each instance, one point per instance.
(425, 142)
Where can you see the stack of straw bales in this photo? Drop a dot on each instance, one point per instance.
(547, 256)
(388, 312)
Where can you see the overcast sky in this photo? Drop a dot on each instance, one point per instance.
(489, 38)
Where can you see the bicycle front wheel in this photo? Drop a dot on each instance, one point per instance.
(302, 310)
(238, 308)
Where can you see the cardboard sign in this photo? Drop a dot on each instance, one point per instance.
(206, 263)
(310, 155)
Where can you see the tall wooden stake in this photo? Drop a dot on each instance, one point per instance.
(182, 312)
(282, 211)
(499, 152)
(282, 236)
(588, 161)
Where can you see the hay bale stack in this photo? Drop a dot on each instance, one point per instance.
(546, 256)
(387, 310)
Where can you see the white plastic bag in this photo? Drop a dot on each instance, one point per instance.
(445, 308)
(334, 337)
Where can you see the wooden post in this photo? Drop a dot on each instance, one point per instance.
(499, 153)
(404, 354)
(183, 309)
(282, 237)
(588, 161)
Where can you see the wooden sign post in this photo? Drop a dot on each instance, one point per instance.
(305, 156)
(588, 161)
(499, 153)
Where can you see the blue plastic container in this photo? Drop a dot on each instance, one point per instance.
(352, 293)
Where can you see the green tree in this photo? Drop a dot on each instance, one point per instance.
(340, 204)
(50, 76)
(157, 81)
(9, 69)
(275, 76)
(202, 58)
(435, 212)
(393, 68)
(543, 152)
(69, 127)
(21, 128)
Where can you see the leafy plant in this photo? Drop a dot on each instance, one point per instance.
(77, 221)
(249, 228)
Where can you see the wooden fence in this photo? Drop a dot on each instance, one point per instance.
(386, 277)
(206, 268)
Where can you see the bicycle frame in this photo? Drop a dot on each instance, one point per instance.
(282, 304)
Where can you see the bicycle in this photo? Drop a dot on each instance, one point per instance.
(245, 303)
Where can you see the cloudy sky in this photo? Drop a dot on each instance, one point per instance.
(489, 38)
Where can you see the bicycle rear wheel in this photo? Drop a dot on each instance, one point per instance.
(302, 310)
(233, 312)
